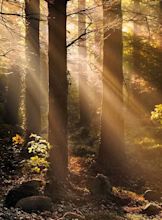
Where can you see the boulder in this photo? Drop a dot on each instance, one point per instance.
(151, 209)
(26, 189)
(35, 204)
(152, 195)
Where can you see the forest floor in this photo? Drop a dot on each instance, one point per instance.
(125, 204)
(144, 150)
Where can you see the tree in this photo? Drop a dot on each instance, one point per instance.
(13, 97)
(160, 47)
(111, 152)
(33, 111)
(136, 61)
(136, 37)
(83, 87)
(58, 86)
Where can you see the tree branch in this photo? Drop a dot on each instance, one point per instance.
(5, 53)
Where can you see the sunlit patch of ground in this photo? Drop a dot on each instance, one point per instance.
(141, 217)
(75, 166)
(118, 191)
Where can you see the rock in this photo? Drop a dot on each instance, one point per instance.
(151, 209)
(102, 185)
(35, 204)
(26, 189)
(151, 195)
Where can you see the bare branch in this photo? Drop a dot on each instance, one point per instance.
(6, 53)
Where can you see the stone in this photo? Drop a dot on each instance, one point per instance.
(26, 189)
(151, 209)
(35, 204)
(152, 195)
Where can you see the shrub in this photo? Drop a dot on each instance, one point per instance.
(38, 149)
(156, 115)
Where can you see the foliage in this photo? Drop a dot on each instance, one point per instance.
(38, 148)
(138, 49)
(17, 139)
(156, 115)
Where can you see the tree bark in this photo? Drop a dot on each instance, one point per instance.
(13, 98)
(111, 150)
(83, 79)
(33, 110)
(58, 88)
(160, 47)
(133, 100)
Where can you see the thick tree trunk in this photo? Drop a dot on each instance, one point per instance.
(111, 151)
(33, 111)
(58, 86)
(83, 79)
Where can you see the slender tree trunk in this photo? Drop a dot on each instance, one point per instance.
(98, 59)
(136, 38)
(3, 97)
(58, 86)
(44, 71)
(33, 111)
(160, 47)
(111, 151)
(13, 98)
(132, 96)
(83, 87)
(160, 23)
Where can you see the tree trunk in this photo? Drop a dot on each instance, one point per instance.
(134, 106)
(13, 98)
(98, 62)
(33, 111)
(160, 47)
(83, 84)
(136, 40)
(58, 86)
(111, 151)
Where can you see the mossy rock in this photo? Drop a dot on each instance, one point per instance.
(101, 186)
(26, 189)
(35, 204)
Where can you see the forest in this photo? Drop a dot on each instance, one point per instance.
(80, 109)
